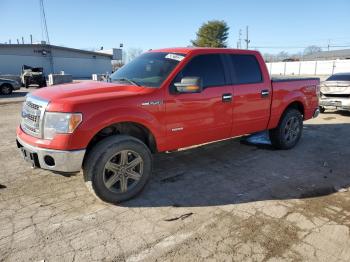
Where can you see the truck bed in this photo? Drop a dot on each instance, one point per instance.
(285, 79)
(301, 89)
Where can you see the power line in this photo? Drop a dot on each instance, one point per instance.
(46, 33)
(297, 47)
(43, 20)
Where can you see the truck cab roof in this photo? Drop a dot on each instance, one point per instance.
(204, 50)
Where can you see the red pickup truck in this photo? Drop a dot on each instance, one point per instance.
(161, 101)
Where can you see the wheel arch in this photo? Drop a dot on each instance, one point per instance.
(298, 105)
(131, 128)
(6, 84)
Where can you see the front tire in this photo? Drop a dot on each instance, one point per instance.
(322, 109)
(6, 89)
(117, 168)
(289, 130)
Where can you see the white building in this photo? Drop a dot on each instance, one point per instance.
(54, 59)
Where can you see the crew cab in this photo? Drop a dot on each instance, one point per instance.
(161, 101)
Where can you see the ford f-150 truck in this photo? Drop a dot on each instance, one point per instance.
(161, 101)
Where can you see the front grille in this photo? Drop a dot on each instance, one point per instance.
(32, 113)
(34, 106)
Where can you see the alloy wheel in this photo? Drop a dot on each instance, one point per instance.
(292, 129)
(123, 171)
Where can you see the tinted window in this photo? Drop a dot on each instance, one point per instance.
(208, 67)
(247, 69)
(342, 77)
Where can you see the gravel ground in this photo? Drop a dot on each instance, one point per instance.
(223, 201)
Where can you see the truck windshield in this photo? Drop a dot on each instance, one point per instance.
(149, 69)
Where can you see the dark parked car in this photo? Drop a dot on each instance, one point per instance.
(8, 85)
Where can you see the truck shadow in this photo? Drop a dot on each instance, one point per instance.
(230, 172)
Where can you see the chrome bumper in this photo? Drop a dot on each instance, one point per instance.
(55, 160)
(335, 102)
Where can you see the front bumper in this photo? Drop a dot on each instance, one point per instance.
(55, 160)
(335, 102)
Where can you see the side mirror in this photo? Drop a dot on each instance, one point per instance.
(189, 85)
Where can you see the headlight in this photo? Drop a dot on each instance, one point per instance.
(60, 123)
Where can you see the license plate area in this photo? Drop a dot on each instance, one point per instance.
(30, 157)
(332, 103)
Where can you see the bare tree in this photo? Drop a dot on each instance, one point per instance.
(269, 57)
(133, 53)
(312, 49)
(282, 55)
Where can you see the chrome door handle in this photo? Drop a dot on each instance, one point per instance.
(265, 93)
(227, 97)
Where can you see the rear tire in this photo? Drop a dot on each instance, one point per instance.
(322, 109)
(26, 82)
(289, 130)
(117, 168)
(6, 89)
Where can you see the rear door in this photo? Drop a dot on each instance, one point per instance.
(200, 117)
(251, 94)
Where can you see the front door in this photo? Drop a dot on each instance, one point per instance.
(200, 117)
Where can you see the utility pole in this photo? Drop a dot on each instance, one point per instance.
(239, 44)
(247, 41)
(329, 44)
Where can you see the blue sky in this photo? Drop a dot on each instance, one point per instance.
(161, 23)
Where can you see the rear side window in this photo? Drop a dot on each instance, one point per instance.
(247, 69)
(208, 67)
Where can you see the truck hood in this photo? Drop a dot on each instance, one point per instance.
(335, 87)
(88, 91)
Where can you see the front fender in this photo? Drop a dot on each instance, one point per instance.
(98, 121)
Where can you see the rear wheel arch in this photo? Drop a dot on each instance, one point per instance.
(298, 105)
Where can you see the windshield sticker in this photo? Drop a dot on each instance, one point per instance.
(175, 57)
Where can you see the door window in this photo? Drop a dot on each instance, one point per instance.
(247, 69)
(208, 67)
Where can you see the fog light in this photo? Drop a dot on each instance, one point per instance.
(49, 160)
